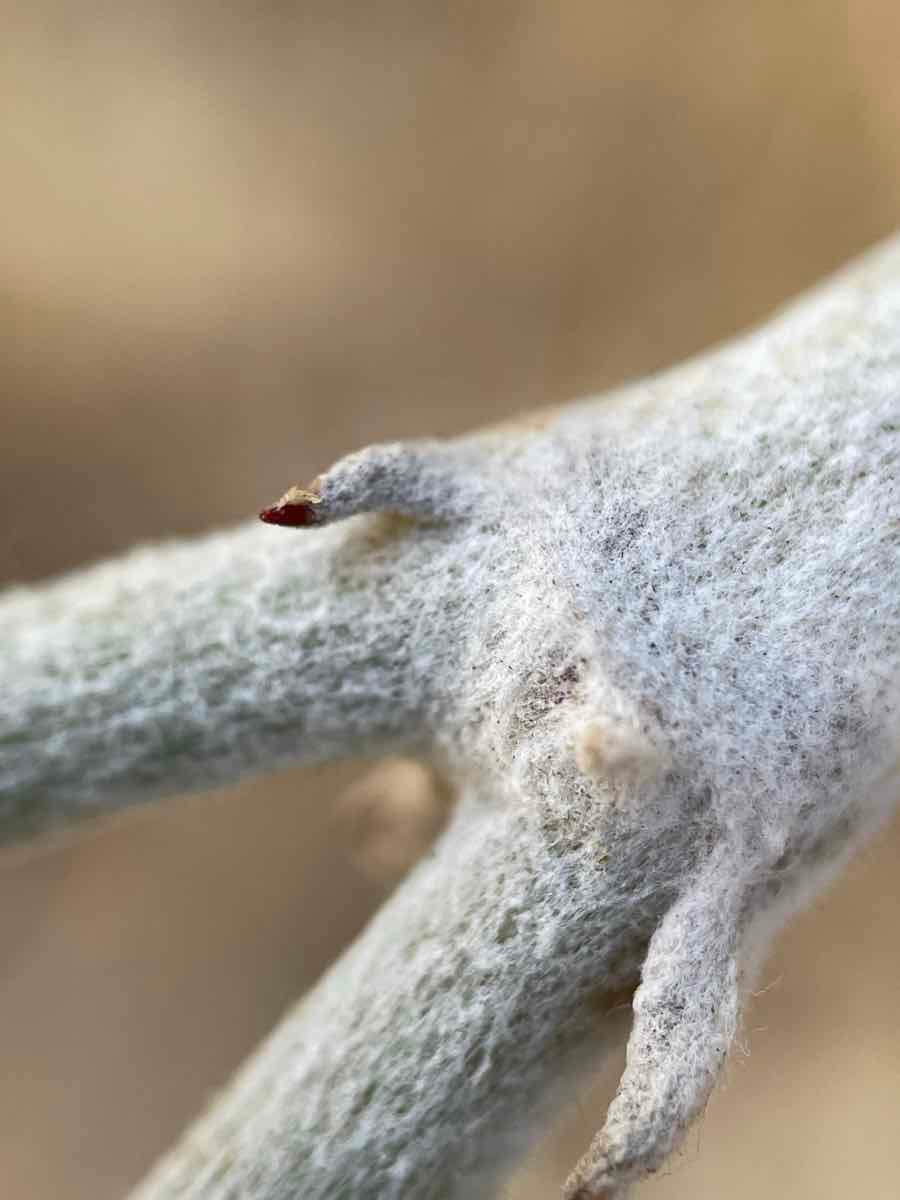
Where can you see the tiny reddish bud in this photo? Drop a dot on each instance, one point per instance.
(296, 515)
(297, 507)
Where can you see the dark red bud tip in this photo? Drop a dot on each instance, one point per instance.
(296, 515)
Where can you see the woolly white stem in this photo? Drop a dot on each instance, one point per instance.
(188, 665)
(656, 647)
(396, 1078)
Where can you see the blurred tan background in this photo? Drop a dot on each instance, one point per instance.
(240, 239)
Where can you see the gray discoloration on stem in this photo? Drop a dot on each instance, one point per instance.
(655, 647)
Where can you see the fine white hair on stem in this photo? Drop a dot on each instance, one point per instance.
(654, 647)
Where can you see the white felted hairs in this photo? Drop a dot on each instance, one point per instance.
(654, 646)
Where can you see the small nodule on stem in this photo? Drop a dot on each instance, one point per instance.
(610, 747)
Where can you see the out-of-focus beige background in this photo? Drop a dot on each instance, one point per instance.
(240, 239)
